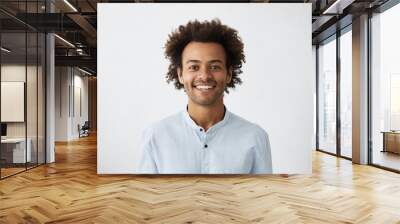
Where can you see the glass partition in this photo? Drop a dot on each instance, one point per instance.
(32, 90)
(22, 77)
(327, 96)
(13, 109)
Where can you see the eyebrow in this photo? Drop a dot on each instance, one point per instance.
(192, 61)
(198, 61)
(215, 61)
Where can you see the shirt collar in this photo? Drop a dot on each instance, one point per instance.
(213, 128)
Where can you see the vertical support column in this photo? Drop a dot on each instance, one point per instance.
(338, 97)
(50, 92)
(360, 90)
(316, 111)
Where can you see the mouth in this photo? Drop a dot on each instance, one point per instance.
(204, 88)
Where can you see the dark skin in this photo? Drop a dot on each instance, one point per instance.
(204, 75)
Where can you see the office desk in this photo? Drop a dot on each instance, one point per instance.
(13, 150)
(391, 141)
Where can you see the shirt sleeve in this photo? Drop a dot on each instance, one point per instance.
(262, 161)
(147, 163)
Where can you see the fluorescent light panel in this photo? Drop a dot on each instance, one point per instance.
(86, 72)
(5, 50)
(70, 5)
(64, 40)
(331, 7)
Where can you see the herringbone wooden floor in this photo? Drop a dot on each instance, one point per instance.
(70, 191)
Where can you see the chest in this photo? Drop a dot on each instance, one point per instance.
(204, 153)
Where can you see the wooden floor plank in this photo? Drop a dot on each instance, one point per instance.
(70, 191)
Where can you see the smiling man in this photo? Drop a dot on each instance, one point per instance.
(205, 138)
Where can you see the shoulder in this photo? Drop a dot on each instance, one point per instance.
(169, 123)
(246, 126)
(253, 133)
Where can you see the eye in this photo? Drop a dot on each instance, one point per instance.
(193, 68)
(215, 68)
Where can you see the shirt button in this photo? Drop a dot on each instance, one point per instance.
(205, 146)
(201, 129)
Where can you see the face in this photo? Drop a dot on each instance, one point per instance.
(204, 73)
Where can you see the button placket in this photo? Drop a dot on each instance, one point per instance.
(206, 153)
(205, 142)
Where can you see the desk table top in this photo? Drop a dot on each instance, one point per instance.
(13, 140)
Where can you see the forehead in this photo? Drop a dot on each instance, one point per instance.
(203, 51)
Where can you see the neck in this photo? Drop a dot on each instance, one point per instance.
(206, 117)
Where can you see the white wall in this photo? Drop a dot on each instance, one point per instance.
(15, 73)
(278, 79)
(18, 72)
(68, 81)
(12, 101)
(61, 103)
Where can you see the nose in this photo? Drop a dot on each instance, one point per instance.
(204, 73)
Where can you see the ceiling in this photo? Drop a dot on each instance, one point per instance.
(76, 22)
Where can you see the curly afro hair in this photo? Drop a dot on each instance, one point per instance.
(207, 31)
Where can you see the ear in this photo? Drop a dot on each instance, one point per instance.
(179, 71)
(229, 77)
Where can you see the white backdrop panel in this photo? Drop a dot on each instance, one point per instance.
(278, 80)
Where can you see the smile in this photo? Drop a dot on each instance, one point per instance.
(204, 87)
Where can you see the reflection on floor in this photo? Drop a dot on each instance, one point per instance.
(386, 159)
(347, 152)
(10, 169)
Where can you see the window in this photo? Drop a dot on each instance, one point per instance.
(385, 88)
(346, 93)
(327, 96)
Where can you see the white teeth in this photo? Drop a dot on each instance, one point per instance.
(204, 87)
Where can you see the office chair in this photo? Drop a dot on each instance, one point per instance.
(84, 130)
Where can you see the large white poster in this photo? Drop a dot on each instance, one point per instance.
(276, 93)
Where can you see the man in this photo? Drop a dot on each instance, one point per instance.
(205, 59)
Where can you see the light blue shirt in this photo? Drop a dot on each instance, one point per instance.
(177, 145)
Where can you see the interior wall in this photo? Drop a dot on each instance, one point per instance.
(16, 72)
(62, 80)
(71, 102)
